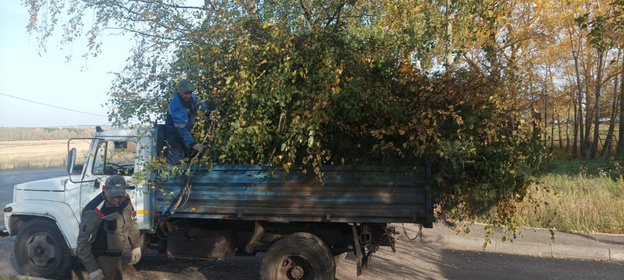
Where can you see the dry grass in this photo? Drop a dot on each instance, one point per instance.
(38, 153)
(577, 203)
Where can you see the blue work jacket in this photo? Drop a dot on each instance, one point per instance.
(180, 120)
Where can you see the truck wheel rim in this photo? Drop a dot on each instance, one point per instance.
(293, 268)
(41, 250)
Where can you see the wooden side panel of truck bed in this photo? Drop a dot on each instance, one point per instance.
(348, 194)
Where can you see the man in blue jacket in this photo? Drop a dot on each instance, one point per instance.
(180, 119)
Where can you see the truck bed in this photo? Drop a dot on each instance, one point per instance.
(347, 195)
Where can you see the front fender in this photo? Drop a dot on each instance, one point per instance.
(59, 212)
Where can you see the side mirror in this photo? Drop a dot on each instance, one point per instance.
(71, 160)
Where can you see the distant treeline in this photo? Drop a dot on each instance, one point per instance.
(44, 133)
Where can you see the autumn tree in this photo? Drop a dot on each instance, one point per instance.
(605, 24)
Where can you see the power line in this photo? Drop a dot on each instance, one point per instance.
(53, 106)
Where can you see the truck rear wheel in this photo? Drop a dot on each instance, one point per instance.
(41, 250)
(299, 255)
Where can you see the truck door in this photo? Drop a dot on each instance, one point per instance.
(79, 181)
(120, 157)
(106, 157)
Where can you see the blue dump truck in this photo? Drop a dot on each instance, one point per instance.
(303, 225)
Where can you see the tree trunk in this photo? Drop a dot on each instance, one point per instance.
(552, 129)
(555, 116)
(567, 127)
(578, 126)
(545, 123)
(587, 119)
(559, 132)
(619, 154)
(578, 110)
(594, 147)
(450, 15)
(577, 119)
(606, 150)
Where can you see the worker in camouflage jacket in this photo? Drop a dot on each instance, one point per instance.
(108, 221)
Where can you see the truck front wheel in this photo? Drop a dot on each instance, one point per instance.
(41, 250)
(299, 255)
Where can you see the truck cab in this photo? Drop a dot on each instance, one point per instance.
(45, 214)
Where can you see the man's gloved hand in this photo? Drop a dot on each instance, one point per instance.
(96, 275)
(136, 255)
(198, 147)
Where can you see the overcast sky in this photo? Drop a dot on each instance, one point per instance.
(45, 90)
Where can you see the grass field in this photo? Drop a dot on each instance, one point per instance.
(38, 153)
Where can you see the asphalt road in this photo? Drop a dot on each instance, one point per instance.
(10, 177)
(413, 260)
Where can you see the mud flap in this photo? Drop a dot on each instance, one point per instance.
(358, 250)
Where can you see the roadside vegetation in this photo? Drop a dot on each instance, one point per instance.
(579, 196)
(585, 196)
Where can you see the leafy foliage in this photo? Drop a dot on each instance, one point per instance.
(302, 84)
(604, 26)
(326, 97)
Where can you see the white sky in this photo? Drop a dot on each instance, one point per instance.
(79, 85)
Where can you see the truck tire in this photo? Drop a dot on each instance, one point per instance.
(41, 250)
(299, 255)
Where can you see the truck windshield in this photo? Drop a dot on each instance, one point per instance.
(114, 157)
